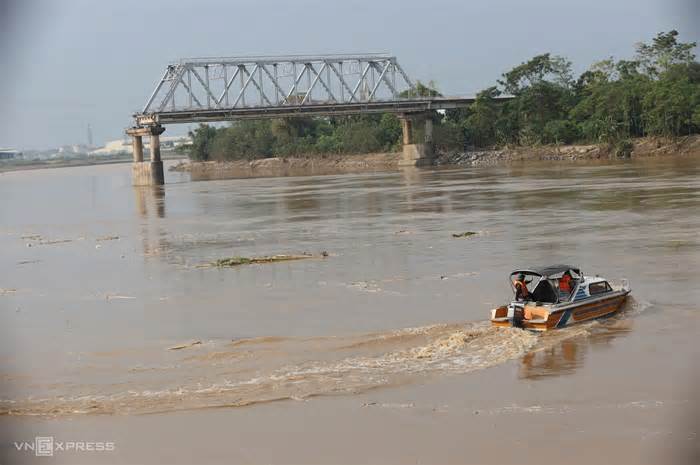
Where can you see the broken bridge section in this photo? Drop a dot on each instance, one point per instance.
(231, 88)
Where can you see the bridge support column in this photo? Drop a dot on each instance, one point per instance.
(428, 137)
(417, 154)
(155, 147)
(138, 148)
(147, 173)
(406, 129)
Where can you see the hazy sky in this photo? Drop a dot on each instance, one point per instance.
(67, 63)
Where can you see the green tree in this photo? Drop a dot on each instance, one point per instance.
(560, 131)
(656, 93)
(664, 52)
(421, 90)
(448, 136)
(359, 136)
(672, 104)
(202, 140)
(245, 139)
(389, 132)
(539, 69)
(609, 101)
(480, 127)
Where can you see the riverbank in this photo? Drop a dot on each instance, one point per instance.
(6, 167)
(646, 147)
(299, 166)
(28, 165)
(338, 164)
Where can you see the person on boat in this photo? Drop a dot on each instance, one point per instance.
(521, 291)
(565, 284)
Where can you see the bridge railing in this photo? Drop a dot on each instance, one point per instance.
(220, 83)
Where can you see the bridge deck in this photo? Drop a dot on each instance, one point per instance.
(406, 106)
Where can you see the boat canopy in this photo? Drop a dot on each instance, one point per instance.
(548, 272)
(545, 287)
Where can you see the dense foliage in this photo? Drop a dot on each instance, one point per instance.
(252, 139)
(656, 93)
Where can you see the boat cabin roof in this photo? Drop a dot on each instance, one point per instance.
(550, 271)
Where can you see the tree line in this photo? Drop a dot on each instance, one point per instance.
(657, 93)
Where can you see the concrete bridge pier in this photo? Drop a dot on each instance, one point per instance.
(416, 153)
(147, 173)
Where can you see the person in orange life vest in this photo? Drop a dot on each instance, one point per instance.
(521, 291)
(565, 283)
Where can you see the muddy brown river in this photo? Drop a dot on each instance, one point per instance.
(109, 313)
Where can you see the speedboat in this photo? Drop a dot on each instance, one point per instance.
(550, 303)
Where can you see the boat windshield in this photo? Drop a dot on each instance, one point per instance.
(541, 289)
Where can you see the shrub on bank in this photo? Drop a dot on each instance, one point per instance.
(657, 93)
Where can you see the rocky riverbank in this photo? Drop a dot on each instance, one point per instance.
(639, 148)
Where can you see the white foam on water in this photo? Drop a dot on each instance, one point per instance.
(377, 359)
(266, 369)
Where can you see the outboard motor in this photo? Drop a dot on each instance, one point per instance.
(518, 315)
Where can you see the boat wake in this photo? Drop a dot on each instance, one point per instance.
(248, 371)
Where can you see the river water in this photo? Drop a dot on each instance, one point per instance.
(107, 305)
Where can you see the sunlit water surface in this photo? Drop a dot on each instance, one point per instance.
(106, 307)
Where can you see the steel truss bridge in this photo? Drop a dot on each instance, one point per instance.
(224, 89)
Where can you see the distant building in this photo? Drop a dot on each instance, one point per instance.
(172, 142)
(9, 154)
(116, 147)
(73, 149)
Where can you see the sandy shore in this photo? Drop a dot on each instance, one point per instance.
(309, 166)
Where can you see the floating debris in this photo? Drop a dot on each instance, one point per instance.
(465, 234)
(39, 240)
(184, 346)
(238, 261)
(233, 261)
(117, 296)
(389, 404)
(459, 275)
(57, 241)
(107, 238)
(366, 286)
(153, 252)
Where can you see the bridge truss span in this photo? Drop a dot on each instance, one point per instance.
(246, 85)
(233, 88)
